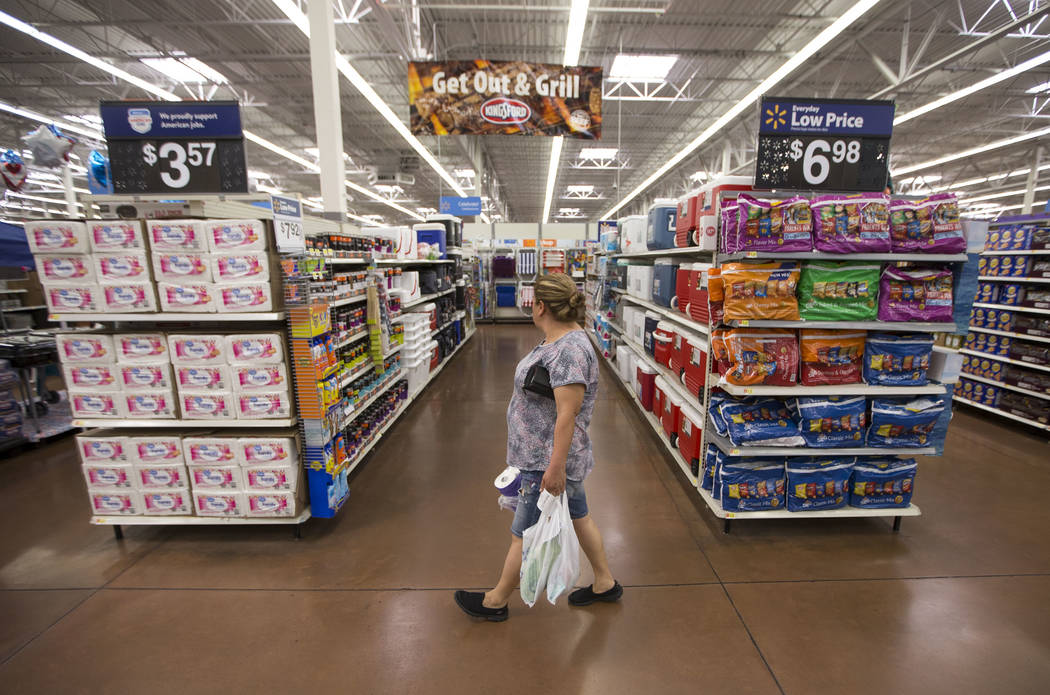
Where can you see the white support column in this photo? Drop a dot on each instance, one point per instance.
(328, 117)
(727, 157)
(71, 195)
(1033, 176)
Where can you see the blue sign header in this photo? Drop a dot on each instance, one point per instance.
(453, 205)
(785, 116)
(179, 119)
(288, 207)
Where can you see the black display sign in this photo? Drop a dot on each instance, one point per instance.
(824, 144)
(175, 147)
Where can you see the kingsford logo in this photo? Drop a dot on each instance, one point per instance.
(502, 110)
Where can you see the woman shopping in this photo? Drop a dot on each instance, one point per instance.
(547, 441)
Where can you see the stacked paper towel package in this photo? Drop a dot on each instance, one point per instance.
(227, 474)
(189, 376)
(135, 266)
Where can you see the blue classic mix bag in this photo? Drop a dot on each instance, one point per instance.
(759, 420)
(749, 484)
(818, 483)
(899, 422)
(883, 483)
(710, 463)
(893, 359)
(833, 421)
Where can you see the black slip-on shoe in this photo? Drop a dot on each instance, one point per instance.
(471, 603)
(586, 596)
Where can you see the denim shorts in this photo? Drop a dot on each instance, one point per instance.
(527, 513)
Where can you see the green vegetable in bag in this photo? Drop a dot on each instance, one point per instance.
(833, 291)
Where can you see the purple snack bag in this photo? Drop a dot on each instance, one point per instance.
(852, 223)
(947, 234)
(921, 294)
(730, 242)
(774, 225)
(907, 230)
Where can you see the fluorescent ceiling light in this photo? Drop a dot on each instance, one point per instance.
(465, 173)
(1001, 194)
(11, 194)
(258, 174)
(805, 53)
(202, 68)
(1044, 87)
(93, 133)
(973, 151)
(581, 188)
(976, 87)
(169, 67)
(698, 176)
(641, 67)
(569, 210)
(389, 188)
(598, 152)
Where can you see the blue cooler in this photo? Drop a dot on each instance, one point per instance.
(432, 233)
(651, 319)
(453, 228)
(660, 231)
(457, 329)
(506, 295)
(665, 272)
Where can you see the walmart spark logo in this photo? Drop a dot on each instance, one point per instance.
(776, 116)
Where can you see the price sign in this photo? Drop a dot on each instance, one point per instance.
(288, 224)
(823, 144)
(175, 147)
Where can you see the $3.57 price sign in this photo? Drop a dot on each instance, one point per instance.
(175, 160)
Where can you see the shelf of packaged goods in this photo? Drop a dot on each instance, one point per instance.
(670, 377)
(351, 338)
(171, 317)
(354, 373)
(910, 326)
(1020, 336)
(819, 256)
(843, 390)
(1018, 252)
(393, 351)
(7, 291)
(1007, 307)
(441, 328)
(13, 309)
(454, 251)
(426, 298)
(1009, 222)
(669, 314)
(731, 449)
(995, 278)
(209, 424)
(200, 520)
(997, 358)
(1003, 385)
(380, 390)
(1003, 413)
(412, 261)
(842, 512)
(617, 327)
(347, 261)
(363, 297)
(687, 251)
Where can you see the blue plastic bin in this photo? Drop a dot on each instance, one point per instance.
(506, 295)
(660, 229)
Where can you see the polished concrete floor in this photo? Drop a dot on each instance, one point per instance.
(957, 602)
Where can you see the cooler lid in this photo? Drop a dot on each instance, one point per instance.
(646, 368)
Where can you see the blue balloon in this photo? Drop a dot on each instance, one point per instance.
(98, 165)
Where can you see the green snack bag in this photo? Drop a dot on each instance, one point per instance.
(838, 291)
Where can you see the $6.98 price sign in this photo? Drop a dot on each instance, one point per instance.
(177, 160)
(815, 160)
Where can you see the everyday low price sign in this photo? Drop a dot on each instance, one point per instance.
(824, 144)
(288, 224)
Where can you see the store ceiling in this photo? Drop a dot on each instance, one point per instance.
(723, 48)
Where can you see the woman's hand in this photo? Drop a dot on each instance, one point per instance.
(553, 480)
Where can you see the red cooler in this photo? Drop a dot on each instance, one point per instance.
(687, 214)
(646, 385)
(695, 363)
(681, 290)
(660, 391)
(663, 342)
(708, 210)
(672, 411)
(690, 430)
(677, 363)
(698, 309)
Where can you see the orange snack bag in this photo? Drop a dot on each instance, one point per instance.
(761, 290)
(832, 357)
(719, 353)
(762, 356)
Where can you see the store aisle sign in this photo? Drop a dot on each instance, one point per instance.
(481, 97)
(175, 147)
(823, 144)
(288, 224)
(465, 206)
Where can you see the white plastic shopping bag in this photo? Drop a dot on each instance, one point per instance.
(550, 552)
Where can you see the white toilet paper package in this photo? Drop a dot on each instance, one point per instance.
(818, 483)
(883, 483)
(832, 421)
(897, 422)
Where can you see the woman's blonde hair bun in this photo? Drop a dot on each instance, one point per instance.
(559, 294)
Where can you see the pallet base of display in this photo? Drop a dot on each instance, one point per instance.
(1003, 413)
(162, 317)
(184, 424)
(727, 447)
(117, 522)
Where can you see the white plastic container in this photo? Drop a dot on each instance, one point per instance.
(197, 297)
(244, 296)
(214, 405)
(82, 299)
(155, 449)
(255, 348)
(161, 476)
(144, 377)
(640, 281)
(92, 377)
(216, 477)
(416, 371)
(624, 362)
(156, 404)
(141, 348)
(57, 236)
(212, 451)
(182, 266)
(268, 450)
(102, 447)
(177, 502)
(633, 230)
(204, 377)
(239, 267)
(92, 404)
(226, 236)
(256, 405)
(219, 503)
(109, 476)
(65, 269)
(85, 348)
(271, 504)
(265, 377)
(176, 235)
(111, 236)
(196, 350)
(116, 502)
(129, 297)
(122, 266)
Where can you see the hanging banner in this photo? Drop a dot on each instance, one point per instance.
(480, 97)
(466, 206)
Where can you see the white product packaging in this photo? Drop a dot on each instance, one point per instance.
(945, 366)
(86, 298)
(111, 236)
(218, 503)
(177, 502)
(196, 297)
(92, 404)
(204, 377)
(182, 266)
(161, 476)
(227, 477)
(266, 450)
(176, 235)
(109, 476)
(194, 350)
(85, 348)
(129, 297)
(255, 348)
(144, 377)
(271, 504)
(271, 478)
(244, 296)
(92, 377)
(57, 236)
(115, 502)
(141, 348)
(255, 405)
(63, 268)
(102, 447)
(122, 266)
(225, 236)
(211, 451)
(244, 266)
(266, 377)
(157, 404)
(215, 405)
(156, 450)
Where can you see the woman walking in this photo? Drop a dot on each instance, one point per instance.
(548, 442)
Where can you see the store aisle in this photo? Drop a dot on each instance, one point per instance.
(958, 601)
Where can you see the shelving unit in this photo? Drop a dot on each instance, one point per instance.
(351, 338)
(147, 423)
(909, 326)
(668, 314)
(356, 299)
(844, 390)
(1003, 413)
(821, 256)
(1020, 336)
(1008, 387)
(426, 298)
(728, 447)
(1018, 363)
(162, 317)
(1008, 307)
(660, 253)
(997, 278)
